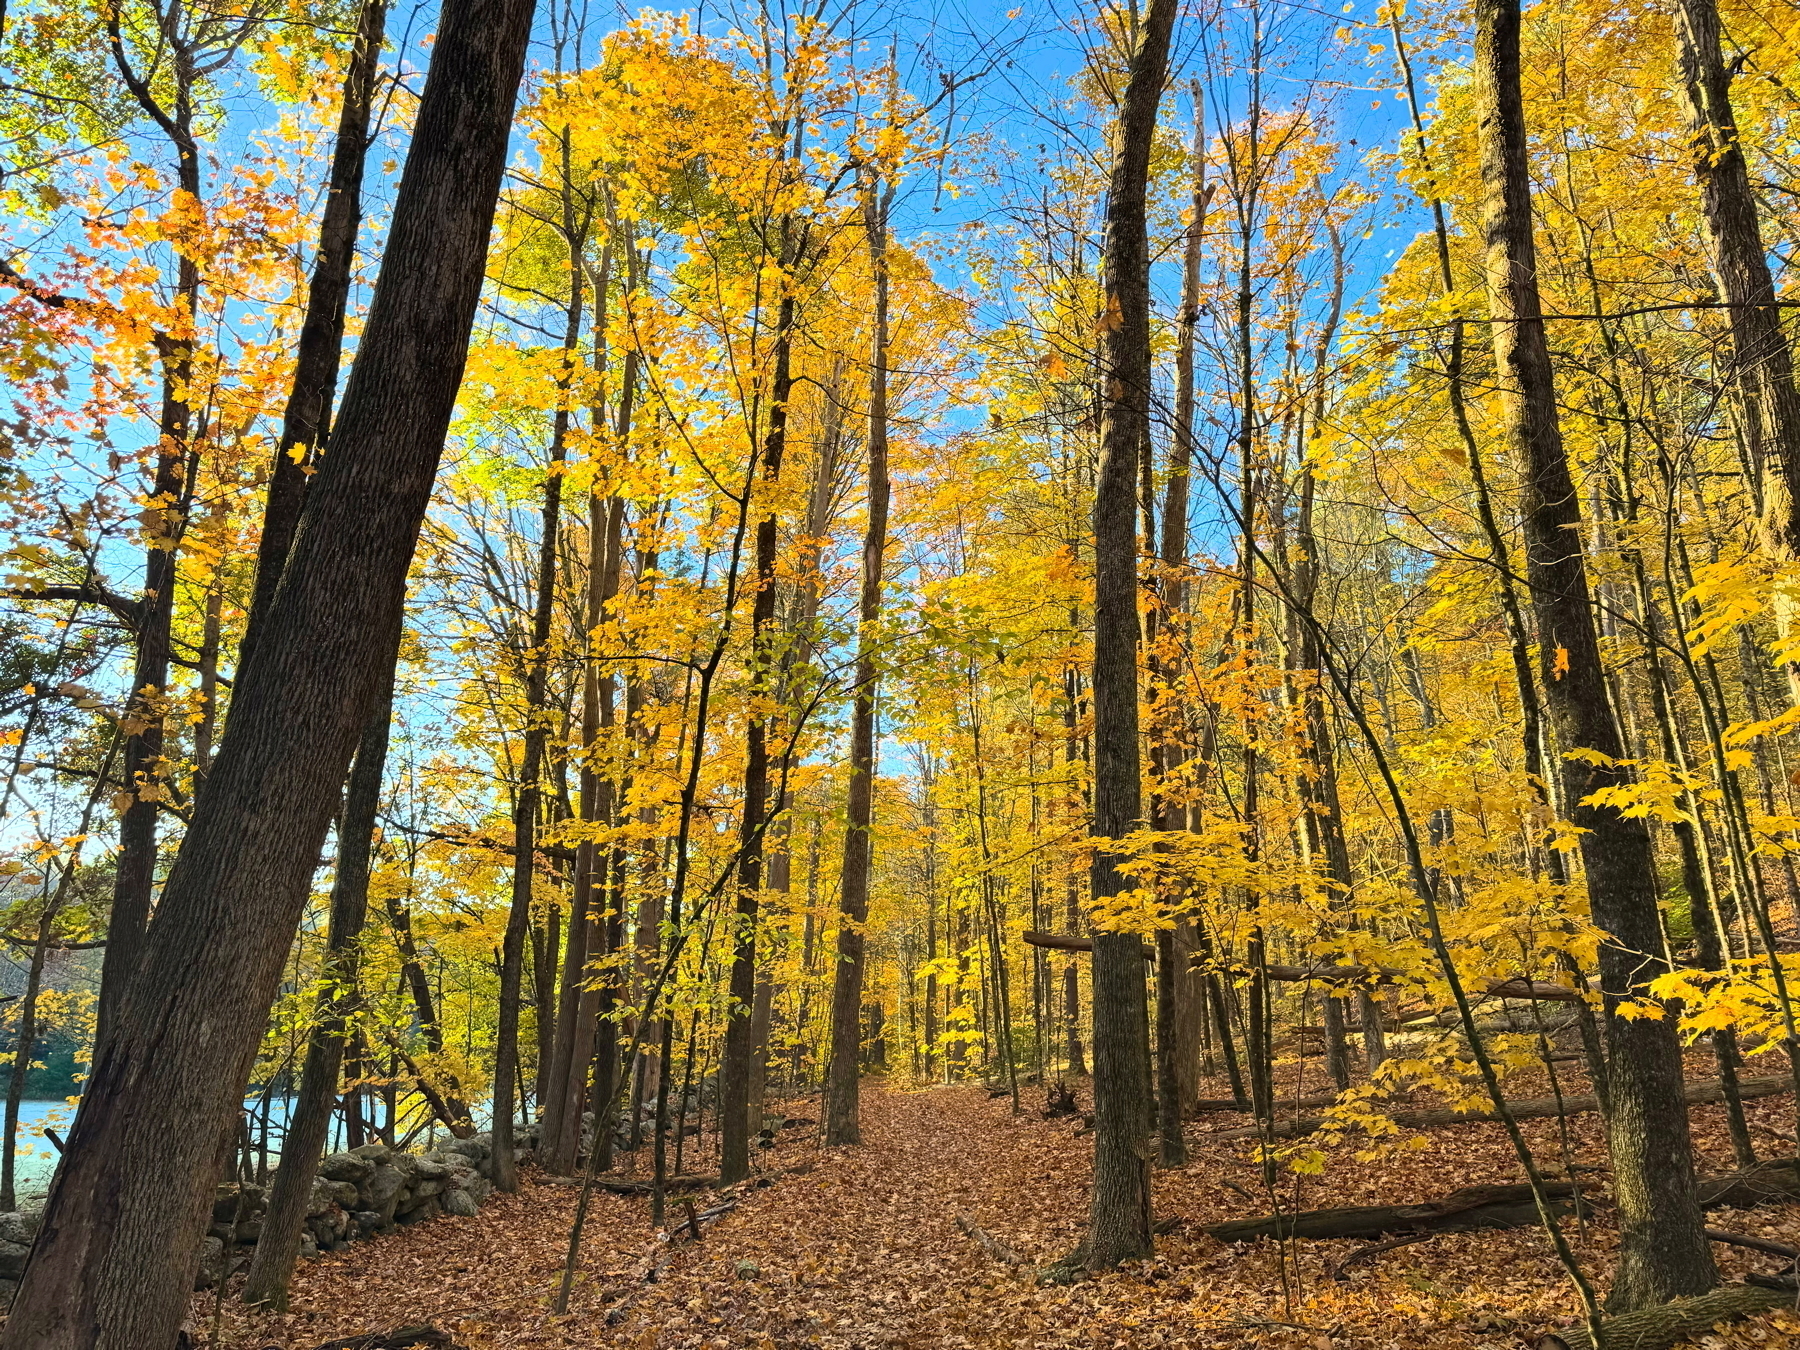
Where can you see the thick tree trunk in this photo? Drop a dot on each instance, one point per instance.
(1119, 1222)
(843, 1076)
(116, 1256)
(273, 1264)
(1663, 1252)
(1763, 362)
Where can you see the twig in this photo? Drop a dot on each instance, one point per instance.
(1375, 1248)
(988, 1242)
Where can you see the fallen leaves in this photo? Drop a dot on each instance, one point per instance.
(866, 1252)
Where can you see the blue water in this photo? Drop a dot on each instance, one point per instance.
(34, 1157)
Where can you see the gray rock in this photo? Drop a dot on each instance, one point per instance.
(249, 1230)
(382, 1191)
(474, 1148)
(479, 1189)
(12, 1259)
(346, 1167)
(227, 1207)
(322, 1197)
(20, 1227)
(309, 1245)
(343, 1193)
(424, 1190)
(374, 1152)
(212, 1262)
(427, 1209)
(432, 1169)
(7, 1289)
(224, 1232)
(366, 1221)
(461, 1203)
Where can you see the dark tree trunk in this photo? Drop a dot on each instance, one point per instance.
(843, 1077)
(740, 1032)
(273, 1264)
(320, 348)
(120, 1242)
(528, 801)
(171, 490)
(1119, 1224)
(1763, 362)
(1663, 1252)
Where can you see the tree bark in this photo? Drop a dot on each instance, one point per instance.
(320, 349)
(171, 490)
(528, 800)
(844, 1074)
(740, 1040)
(1119, 1220)
(1763, 363)
(273, 1263)
(1663, 1252)
(1669, 1324)
(115, 1259)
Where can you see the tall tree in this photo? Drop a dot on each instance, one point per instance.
(1663, 1249)
(1119, 1220)
(1762, 360)
(844, 1073)
(120, 1242)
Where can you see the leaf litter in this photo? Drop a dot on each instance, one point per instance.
(863, 1251)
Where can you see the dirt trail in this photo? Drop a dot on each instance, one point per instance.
(863, 1253)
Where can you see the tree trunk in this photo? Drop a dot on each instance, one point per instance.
(734, 1070)
(273, 1263)
(1762, 361)
(171, 490)
(1663, 1252)
(843, 1076)
(529, 799)
(115, 1260)
(320, 349)
(1119, 1224)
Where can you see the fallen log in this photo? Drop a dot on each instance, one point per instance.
(1669, 1324)
(1512, 1206)
(1526, 1108)
(1464, 1211)
(1513, 986)
(1774, 1179)
(1060, 943)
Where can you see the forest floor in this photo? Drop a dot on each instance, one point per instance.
(863, 1251)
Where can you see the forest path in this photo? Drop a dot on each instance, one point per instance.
(863, 1252)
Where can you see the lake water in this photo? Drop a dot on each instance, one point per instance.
(34, 1157)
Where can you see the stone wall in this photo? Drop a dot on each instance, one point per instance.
(355, 1195)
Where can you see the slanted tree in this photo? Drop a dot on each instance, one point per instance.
(115, 1259)
(1663, 1249)
(309, 1121)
